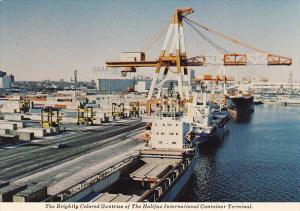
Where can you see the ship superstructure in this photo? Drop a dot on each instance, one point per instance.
(208, 121)
(239, 101)
(163, 166)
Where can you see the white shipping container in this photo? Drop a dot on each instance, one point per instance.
(19, 124)
(68, 120)
(132, 56)
(14, 117)
(72, 107)
(38, 132)
(10, 126)
(35, 117)
(25, 136)
(8, 110)
(98, 121)
(100, 115)
(4, 131)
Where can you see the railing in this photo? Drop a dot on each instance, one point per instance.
(158, 191)
(188, 146)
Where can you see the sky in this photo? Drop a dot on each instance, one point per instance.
(49, 39)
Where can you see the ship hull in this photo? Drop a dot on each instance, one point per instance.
(170, 195)
(221, 131)
(217, 133)
(240, 108)
(201, 138)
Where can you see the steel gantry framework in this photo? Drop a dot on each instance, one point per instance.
(173, 55)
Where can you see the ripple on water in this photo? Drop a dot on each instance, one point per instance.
(258, 161)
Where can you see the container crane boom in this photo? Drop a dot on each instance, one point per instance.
(173, 55)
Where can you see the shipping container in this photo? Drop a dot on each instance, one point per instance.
(64, 100)
(6, 125)
(133, 56)
(38, 132)
(14, 117)
(60, 106)
(207, 77)
(7, 192)
(20, 124)
(25, 136)
(39, 99)
(4, 131)
(9, 138)
(33, 193)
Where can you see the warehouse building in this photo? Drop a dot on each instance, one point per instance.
(6, 80)
(113, 82)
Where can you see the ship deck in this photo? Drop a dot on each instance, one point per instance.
(108, 197)
(150, 172)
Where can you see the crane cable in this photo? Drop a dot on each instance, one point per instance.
(213, 44)
(232, 40)
(255, 75)
(154, 38)
(226, 37)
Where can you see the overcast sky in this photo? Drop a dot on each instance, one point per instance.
(49, 39)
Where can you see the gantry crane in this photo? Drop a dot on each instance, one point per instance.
(24, 104)
(85, 114)
(50, 117)
(173, 54)
(134, 109)
(118, 110)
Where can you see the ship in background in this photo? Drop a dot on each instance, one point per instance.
(208, 120)
(239, 102)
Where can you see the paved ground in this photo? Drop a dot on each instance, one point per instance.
(25, 160)
(69, 173)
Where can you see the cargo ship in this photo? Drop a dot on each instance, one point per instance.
(208, 120)
(156, 173)
(290, 101)
(240, 103)
(162, 167)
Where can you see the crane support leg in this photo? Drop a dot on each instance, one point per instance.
(153, 83)
(179, 79)
(186, 84)
(167, 40)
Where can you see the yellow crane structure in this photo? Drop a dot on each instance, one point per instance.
(118, 110)
(134, 109)
(85, 115)
(173, 55)
(50, 117)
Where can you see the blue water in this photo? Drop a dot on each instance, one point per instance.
(258, 161)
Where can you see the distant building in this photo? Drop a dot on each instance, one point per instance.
(113, 82)
(6, 80)
(114, 85)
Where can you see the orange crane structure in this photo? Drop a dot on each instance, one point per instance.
(173, 55)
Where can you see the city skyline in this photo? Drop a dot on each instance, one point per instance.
(50, 39)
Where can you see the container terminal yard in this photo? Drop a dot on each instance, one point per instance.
(125, 139)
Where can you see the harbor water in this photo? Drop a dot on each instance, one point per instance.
(257, 161)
